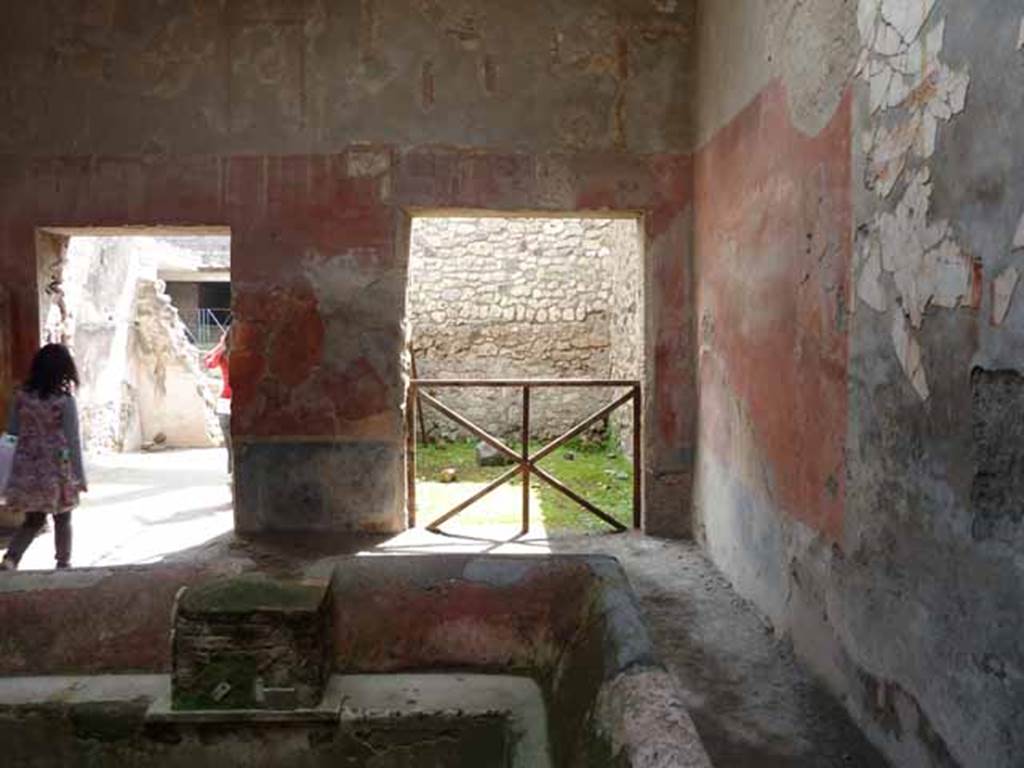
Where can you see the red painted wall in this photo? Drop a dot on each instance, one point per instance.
(774, 242)
(288, 214)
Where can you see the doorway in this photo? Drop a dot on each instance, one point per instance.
(140, 310)
(525, 298)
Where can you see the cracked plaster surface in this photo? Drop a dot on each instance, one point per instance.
(911, 91)
(1018, 239)
(927, 265)
(1002, 294)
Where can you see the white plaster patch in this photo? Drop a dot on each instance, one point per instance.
(1018, 239)
(905, 78)
(927, 264)
(907, 17)
(1020, 37)
(867, 19)
(908, 351)
(911, 92)
(869, 287)
(1002, 294)
(889, 149)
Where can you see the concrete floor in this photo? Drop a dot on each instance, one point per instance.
(142, 507)
(750, 700)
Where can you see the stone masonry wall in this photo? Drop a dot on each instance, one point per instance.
(516, 298)
(625, 319)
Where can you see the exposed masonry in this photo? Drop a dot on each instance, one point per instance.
(626, 319)
(911, 92)
(249, 643)
(997, 491)
(524, 298)
(170, 376)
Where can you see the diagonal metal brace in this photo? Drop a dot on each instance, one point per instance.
(487, 437)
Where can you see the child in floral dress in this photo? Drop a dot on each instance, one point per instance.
(47, 473)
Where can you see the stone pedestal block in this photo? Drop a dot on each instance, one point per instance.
(251, 643)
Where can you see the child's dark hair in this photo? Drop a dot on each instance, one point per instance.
(53, 372)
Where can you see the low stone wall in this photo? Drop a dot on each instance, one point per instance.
(571, 623)
(520, 298)
(92, 621)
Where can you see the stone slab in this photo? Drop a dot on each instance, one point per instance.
(349, 700)
(81, 689)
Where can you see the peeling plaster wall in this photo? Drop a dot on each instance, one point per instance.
(307, 76)
(932, 439)
(312, 129)
(870, 504)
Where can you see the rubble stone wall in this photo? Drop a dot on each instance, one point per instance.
(521, 298)
(625, 320)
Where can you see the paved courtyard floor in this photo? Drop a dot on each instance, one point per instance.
(142, 507)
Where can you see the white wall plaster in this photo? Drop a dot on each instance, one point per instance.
(1002, 294)
(869, 286)
(926, 263)
(1018, 239)
(910, 93)
(907, 17)
(907, 78)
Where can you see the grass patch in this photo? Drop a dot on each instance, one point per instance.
(598, 472)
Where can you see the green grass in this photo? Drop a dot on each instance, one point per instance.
(599, 473)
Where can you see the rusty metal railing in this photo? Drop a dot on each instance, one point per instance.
(525, 461)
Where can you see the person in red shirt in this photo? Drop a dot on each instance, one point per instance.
(219, 357)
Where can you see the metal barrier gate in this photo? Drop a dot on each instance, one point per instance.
(525, 461)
